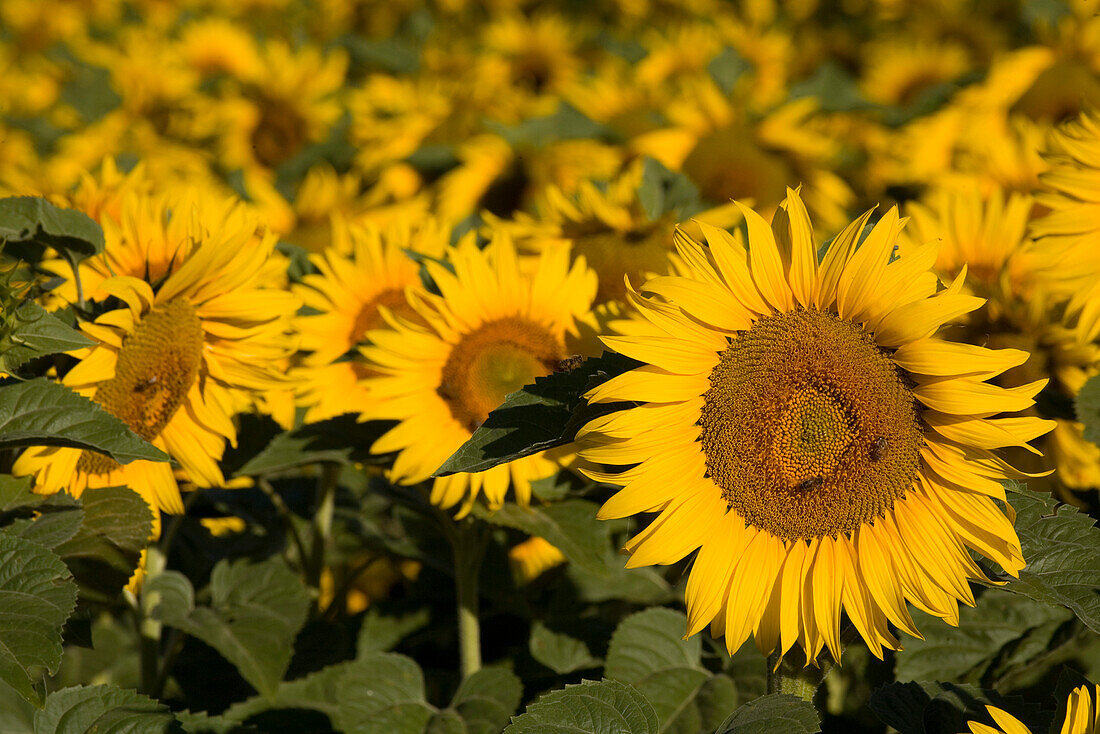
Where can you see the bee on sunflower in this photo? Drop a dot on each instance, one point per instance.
(799, 423)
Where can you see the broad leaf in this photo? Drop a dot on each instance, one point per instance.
(56, 518)
(105, 550)
(316, 691)
(44, 413)
(565, 124)
(833, 88)
(648, 651)
(778, 713)
(27, 218)
(201, 723)
(604, 707)
(36, 333)
(103, 710)
(726, 68)
(965, 652)
(342, 440)
(667, 192)
(558, 651)
(570, 525)
(382, 693)
(1087, 406)
(928, 707)
(37, 595)
(256, 611)
(536, 417)
(1062, 550)
(381, 632)
(486, 700)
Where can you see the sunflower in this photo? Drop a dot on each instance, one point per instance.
(193, 334)
(532, 558)
(1082, 716)
(495, 326)
(800, 424)
(363, 271)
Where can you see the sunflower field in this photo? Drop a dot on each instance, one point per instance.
(610, 366)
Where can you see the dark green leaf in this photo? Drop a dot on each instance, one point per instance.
(778, 713)
(604, 707)
(16, 495)
(36, 333)
(647, 651)
(105, 551)
(927, 707)
(57, 519)
(833, 88)
(316, 691)
(1062, 550)
(201, 723)
(382, 693)
(1087, 405)
(256, 611)
(726, 68)
(342, 440)
(487, 699)
(27, 218)
(445, 722)
(558, 651)
(103, 710)
(966, 651)
(663, 192)
(44, 413)
(394, 55)
(536, 417)
(715, 700)
(37, 595)
(570, 525)
(565, 124)
(381, 632)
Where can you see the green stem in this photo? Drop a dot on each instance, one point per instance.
(285, 515)
(148, 628)
(468, 544)
(791, 676)
(321, 528)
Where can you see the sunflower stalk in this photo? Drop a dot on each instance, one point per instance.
(322, 526)
(468, 541)
(148, 628)
(790, 675)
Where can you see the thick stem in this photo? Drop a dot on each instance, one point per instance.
(148, 628)
(791, 676)
(468, 543)
(322, 523)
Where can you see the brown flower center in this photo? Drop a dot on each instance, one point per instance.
(809, 428)
(279, 134)
(498, 358)
(157, 366)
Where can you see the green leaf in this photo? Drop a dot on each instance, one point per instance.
(558, 651)
(726, 68)
(965, 652)
(37, 595)
(34, 332)
(538, 132)
(104, 552)
(57, 519)
(666, 192)
(382, 693)
(103, 710)
(928, 707)
(381, 632)
(778, 713)
(316, 692)
(28, 218)
(341, 440)
(1062, 550)
(715, 700)
(647, 651)
(1087, 406)
(44, 413)
(570, 525)
(487, 699)
(604, 707)
(203, 723)
(833, 88)
(256, 611)
(536, 417)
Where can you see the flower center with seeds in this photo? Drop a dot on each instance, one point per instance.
(498, 358)
(727, 164)
(369, 317)
(636, 253)
(279, 134)
(808, 428)
(156, 368)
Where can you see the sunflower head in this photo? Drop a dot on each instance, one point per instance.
(800, 424)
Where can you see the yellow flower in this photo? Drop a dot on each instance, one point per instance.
(801, 425)
(1082, 716)
(532, 558)
(363, 272)
(494, 328)
(195, 333)
(898, 70)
